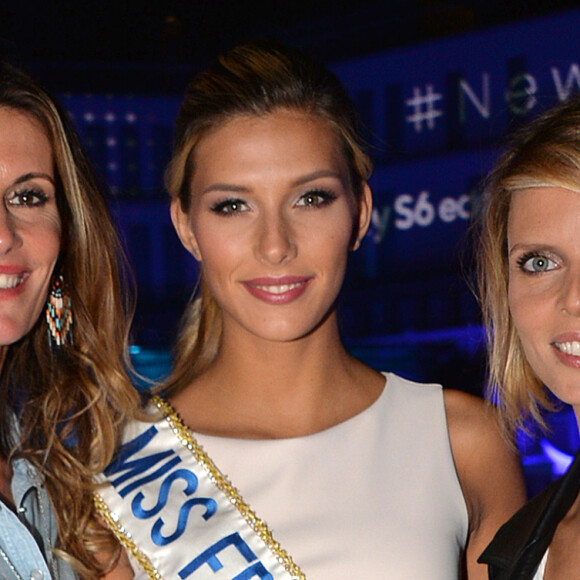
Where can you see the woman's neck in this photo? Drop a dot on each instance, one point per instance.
(262, 389)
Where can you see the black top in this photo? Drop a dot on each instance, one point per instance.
(520, 544)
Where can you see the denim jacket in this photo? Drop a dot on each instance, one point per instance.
(26, 537)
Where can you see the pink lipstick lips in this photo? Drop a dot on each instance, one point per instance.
(281, 290)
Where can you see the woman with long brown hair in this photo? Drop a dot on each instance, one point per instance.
(64, 388)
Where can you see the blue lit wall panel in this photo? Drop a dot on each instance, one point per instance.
(464, 91)
(422, 209)
(128, 137)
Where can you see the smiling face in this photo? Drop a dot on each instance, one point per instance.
(544, 285)
(29, 223)
(271, 219)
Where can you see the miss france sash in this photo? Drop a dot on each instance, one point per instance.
(178, 516)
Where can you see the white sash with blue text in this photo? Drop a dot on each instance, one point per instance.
(178, 516)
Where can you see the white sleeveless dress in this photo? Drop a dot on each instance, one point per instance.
(375, 497)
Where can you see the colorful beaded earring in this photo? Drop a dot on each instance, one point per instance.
(58, 313)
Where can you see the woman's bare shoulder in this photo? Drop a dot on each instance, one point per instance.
(488, 468)
(470, 416)
(477, 438)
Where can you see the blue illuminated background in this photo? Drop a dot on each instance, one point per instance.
(435, 114)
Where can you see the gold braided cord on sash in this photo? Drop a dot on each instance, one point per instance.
(124, 536)
(224, 485)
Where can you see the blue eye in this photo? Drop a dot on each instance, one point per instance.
(27, 198)
(316, 198)
(229, 207)
(536, 263)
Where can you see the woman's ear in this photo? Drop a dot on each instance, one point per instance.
(365, 211)
(182, 226)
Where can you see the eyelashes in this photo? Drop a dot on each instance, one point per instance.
(535, 263)
(312, 199)
(28, 197)
(316, 198)
(229, 207)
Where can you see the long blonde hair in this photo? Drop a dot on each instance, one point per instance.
(72, 406)
(251, 79)
(546, 152)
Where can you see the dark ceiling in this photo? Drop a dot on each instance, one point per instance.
(152, 45)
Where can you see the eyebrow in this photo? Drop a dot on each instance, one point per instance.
(34, 175)
(300, 181)
(531, 246)
(317, 175)
(225, 187)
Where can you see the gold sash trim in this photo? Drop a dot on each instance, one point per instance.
(126, 538)
(221, 482)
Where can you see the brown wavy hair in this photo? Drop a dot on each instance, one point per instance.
(253, 79)
(544, 153)
(72, 404)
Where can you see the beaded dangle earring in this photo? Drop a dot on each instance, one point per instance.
(58, 313)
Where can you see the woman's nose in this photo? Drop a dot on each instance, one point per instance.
(570, 296)
(275, 242)
(8, 236)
